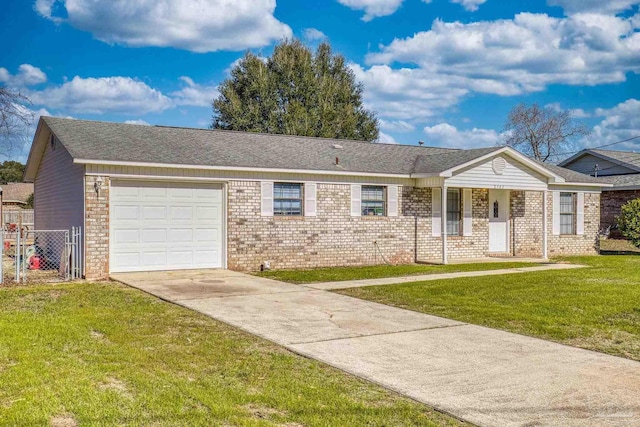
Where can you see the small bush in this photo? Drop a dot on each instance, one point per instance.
(629, 221)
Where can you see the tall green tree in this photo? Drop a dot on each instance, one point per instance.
(294, 92)
(11, 171)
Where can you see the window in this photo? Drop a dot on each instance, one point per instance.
(373, 200)
(453, 212)
(287, 199)
(567, 213)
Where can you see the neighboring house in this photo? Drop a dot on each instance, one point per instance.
(161, 198)
(619, 168)
(15, 196)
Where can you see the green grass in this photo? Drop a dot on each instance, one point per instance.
(104, 354)
(339, 274)
(596, 308)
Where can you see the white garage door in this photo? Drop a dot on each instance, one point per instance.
(165, 226)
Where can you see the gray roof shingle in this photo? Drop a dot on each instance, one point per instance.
(626, 157)
(119, 142)
(202, 147)
(632, 180)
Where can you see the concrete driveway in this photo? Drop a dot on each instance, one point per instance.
(482, 375)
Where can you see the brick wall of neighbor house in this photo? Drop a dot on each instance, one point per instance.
(611, 202)
(96, 229)
(586, 244)
(526, 223)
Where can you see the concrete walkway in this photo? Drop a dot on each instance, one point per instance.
(485, 376)
(439, 276)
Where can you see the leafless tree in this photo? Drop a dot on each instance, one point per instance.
(15, 118)
(541, 133)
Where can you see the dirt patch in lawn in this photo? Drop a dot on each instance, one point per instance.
(64, 420)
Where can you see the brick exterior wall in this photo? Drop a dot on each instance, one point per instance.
(526, 228)
(96, 229)
(610, 204)
(335, 238)
(586, 244)
(332, 238)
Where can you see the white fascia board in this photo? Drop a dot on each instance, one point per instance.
(513, 154)
(36, 145)
(236, 168)
(581, 184)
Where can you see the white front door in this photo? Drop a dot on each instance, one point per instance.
(498, 220)
(165, 226)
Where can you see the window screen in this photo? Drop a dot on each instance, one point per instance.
(453, 211)
(373, 200)
(287, 199)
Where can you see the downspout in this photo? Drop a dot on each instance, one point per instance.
(443, 224)
(545, 255)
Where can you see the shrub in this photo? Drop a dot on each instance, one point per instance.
(629, 221)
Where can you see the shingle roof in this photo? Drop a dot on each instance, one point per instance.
(119, 142)
(627, 157)
(202, 147)
(16, 191)
(436, 163)
(569, 175)
(632, 180)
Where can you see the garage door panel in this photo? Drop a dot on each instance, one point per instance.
(180, 235)
(123, 236)
(150, 194)
(154, 213)
(207, 213)
(207, 235)
(125, 213)
(206, 256)
(154, 235)
(154, 258)
(160, 226)
(181, 213)
(181, 258)
(126, 260)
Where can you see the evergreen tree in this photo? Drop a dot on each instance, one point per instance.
(294, 92)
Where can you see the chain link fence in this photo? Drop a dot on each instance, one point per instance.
(41, 255)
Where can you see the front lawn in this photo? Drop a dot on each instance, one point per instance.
(104, 354)
(596, 308)
(339, 274)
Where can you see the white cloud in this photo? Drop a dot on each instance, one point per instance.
(27, 75)
(385, 138)
(446, 135)
(470, 5)
(102, 95)
(576, 113)
(396, 125)
(599, 6)
(419, 76)
(619, 123)
(373, 8)
(195, 25)
(313, 34)
(137, 122)
(194, 94)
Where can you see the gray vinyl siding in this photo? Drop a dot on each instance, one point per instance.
(586, 163)
(59, 191)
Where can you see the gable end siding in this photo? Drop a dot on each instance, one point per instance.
(59, 191)
(586, 163)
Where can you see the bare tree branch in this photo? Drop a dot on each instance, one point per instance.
(15, 119)
(541, 133)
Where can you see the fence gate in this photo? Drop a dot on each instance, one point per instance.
(41, 255)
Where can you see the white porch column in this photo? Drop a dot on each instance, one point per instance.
(545, 232)
(443, 227)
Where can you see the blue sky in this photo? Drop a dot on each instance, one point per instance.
(443, 71)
